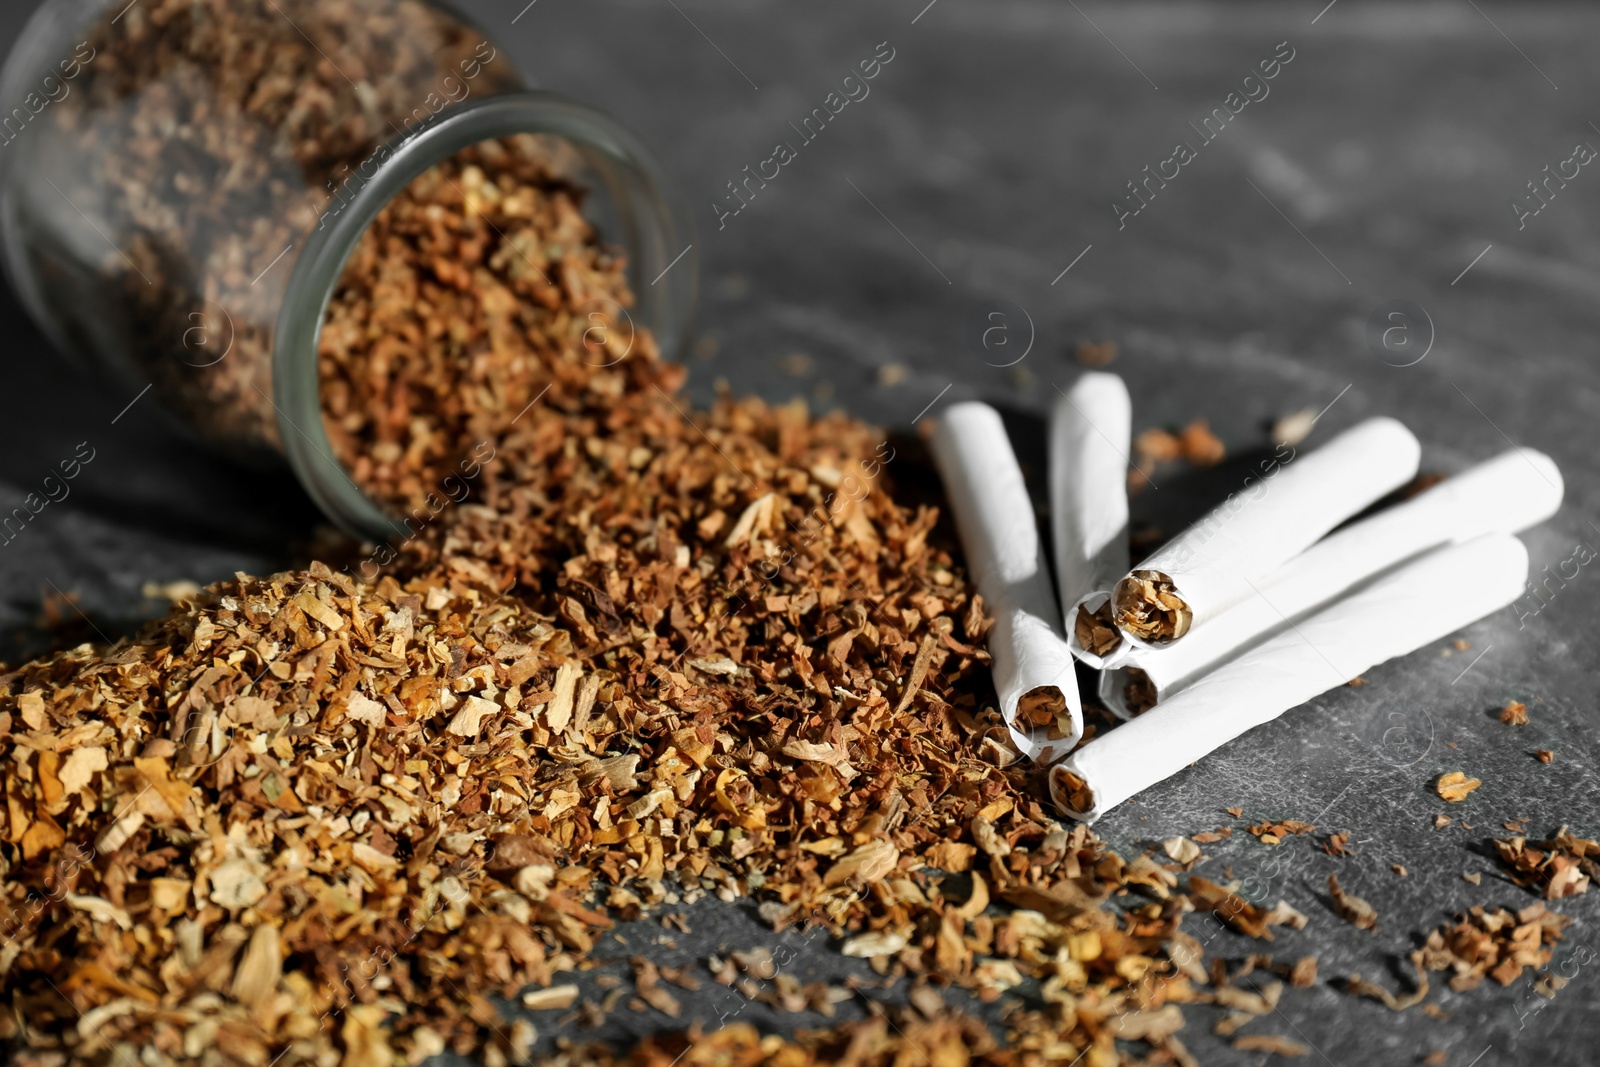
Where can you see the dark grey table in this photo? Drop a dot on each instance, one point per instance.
(982, 174)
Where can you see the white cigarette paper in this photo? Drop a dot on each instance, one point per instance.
(1032, 666)
(1091, 430)
(1418, 603)
(1218, 561)
(1515, 490)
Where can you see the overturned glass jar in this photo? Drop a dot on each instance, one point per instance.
(183, 184)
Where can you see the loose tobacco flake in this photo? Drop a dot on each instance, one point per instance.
(1354, 910)
(1455, 785)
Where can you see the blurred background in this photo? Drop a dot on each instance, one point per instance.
(990, 171)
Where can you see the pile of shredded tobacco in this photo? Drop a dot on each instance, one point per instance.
(630, 649)
(316, 817)
(332, 815)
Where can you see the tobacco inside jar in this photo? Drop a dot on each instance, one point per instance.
(476, 293)
(202, 198)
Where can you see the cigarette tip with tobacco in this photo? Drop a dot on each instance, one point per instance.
(1217, 562)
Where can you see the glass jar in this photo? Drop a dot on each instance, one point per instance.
(182, 182)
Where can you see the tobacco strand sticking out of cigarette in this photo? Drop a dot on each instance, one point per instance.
(1090, 432)
(1515, 490)
(1422, 601)
(1092, 629)
(1147, 606)
(1217, 562)
(1040, 707)
(1034, 674)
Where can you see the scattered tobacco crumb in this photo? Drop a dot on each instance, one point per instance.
(1272, 833)
(1201, 447)
(1455, 785)
(1544, 755)
(1156, 445)
(551, 998)
(1294, 427)
(1095, 353)
(1351, 908)
(1437, 1058)
(1482, 943)
(1473, 878)
(1357, 682)
(1303, 975)
(1361, 987)
(1401, 871)
(1515, 713)
(1441, 821)
(1338, 844)
(1181, 850)
(1562, 866)
(1240, 914)
(1498, 944)
(1272, 1043)
(1195, 443)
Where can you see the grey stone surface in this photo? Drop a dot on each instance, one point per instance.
(985, 160)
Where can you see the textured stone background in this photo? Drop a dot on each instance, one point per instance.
(985, 160)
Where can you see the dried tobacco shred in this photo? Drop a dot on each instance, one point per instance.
(1454, 786)
(1351, 908)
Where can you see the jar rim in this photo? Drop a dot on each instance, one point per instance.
(657, 231)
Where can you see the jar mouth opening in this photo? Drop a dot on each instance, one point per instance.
(653, 231)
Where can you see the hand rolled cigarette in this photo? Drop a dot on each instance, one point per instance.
(1217, 562)
(1090, 432)
(1515, 490)
(1033, 669)
(1419, 602)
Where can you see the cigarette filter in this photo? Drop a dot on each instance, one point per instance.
(1411, 606)
(1090, 432)
(1218, 561)
(1032, 666)
(1515, 490)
